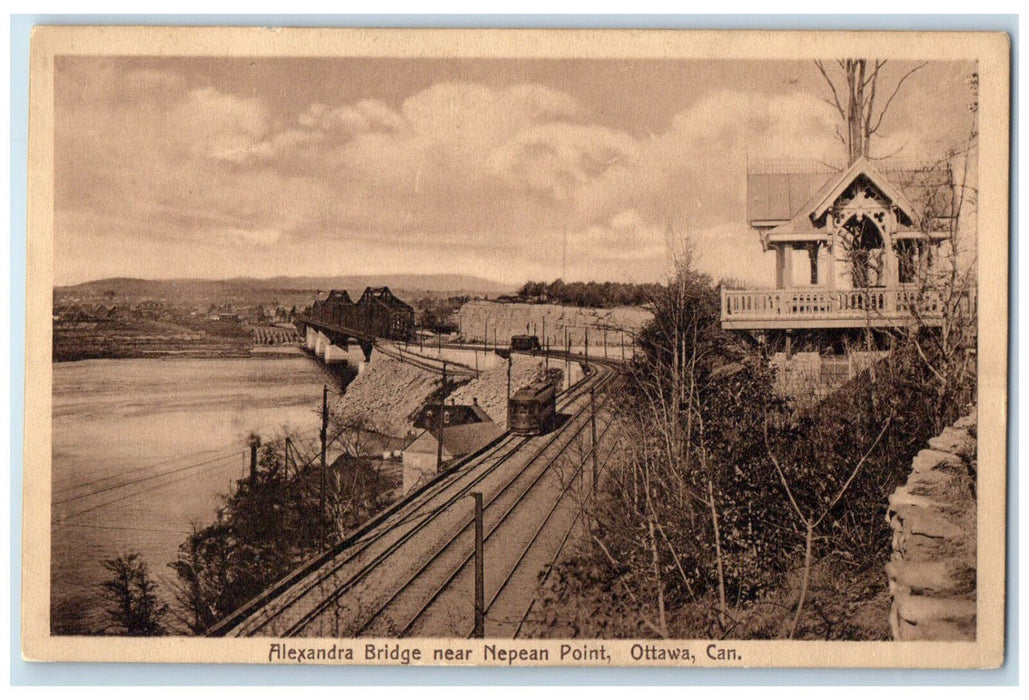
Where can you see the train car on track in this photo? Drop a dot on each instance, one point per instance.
(525, 343)
(533, 409)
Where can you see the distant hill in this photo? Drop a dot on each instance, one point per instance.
(132, 287)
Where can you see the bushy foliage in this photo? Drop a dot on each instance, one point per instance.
(134, 607)
(267, 528)
(727, 489)
(588, 294)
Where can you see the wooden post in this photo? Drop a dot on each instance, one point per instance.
(255, 442)
(509, 359)
(439, 418)
(780, 266)
(480, 593)
(324, 438)
(593, 429)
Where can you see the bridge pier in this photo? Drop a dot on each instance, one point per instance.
(332, 347)
(321, 342)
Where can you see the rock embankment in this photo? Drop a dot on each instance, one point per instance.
(387, 395)
(932, 571)
(499, 321)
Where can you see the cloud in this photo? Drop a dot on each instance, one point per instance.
(218, 125)
(260, 236)
(455, 174)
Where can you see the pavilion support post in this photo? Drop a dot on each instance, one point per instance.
(787, 272)
(780, 266)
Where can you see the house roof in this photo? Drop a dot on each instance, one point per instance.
(458, 414)
(831, 191)
(459, 440)
(807, 224)
(779, 192)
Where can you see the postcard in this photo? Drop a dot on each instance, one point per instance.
(516, 347)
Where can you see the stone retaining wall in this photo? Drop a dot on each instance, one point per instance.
(932, 571)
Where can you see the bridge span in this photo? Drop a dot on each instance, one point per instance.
(409, 572)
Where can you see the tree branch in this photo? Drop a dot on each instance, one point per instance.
(879, 121)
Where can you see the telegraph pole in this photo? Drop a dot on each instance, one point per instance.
(509, 358)
(439, 420)
(480, 594)
(255, 442)
(324, 437)
(593, 428)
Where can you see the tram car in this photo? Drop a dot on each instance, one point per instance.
(533, 409)
(525, 343)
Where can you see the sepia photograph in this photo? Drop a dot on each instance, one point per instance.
(495, 347)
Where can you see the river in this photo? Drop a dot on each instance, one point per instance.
(143, 448)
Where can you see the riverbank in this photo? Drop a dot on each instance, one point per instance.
(144, 448)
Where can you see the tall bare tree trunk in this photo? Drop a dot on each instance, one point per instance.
(718, 552)
(662, 619)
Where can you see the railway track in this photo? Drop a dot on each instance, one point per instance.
(406, 609)
(454, 369)
(334, 594)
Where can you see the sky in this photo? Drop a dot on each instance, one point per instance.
(504, 169)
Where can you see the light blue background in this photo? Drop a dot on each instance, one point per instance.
(25, 673)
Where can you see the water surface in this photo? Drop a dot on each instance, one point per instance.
(142, 448)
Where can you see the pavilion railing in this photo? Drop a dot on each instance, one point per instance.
(824, 304)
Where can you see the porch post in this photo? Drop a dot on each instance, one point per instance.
(812, 254)
(780, 265)
(787, 272)
(832, 258)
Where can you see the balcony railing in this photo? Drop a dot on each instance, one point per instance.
(822, 308)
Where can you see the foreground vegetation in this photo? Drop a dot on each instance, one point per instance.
(733, 513)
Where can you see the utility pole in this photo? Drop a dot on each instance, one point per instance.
(593, 428)
(324, 437)
(255, 442)
(439, 420)
(485, 334)
(480, 594)
(586, 330)
(509, 359)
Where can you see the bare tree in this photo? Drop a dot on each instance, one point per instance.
(856, 88)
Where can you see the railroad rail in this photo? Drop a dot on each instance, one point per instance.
(454, 369)
(402, 568)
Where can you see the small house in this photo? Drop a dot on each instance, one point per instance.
(421, 454)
